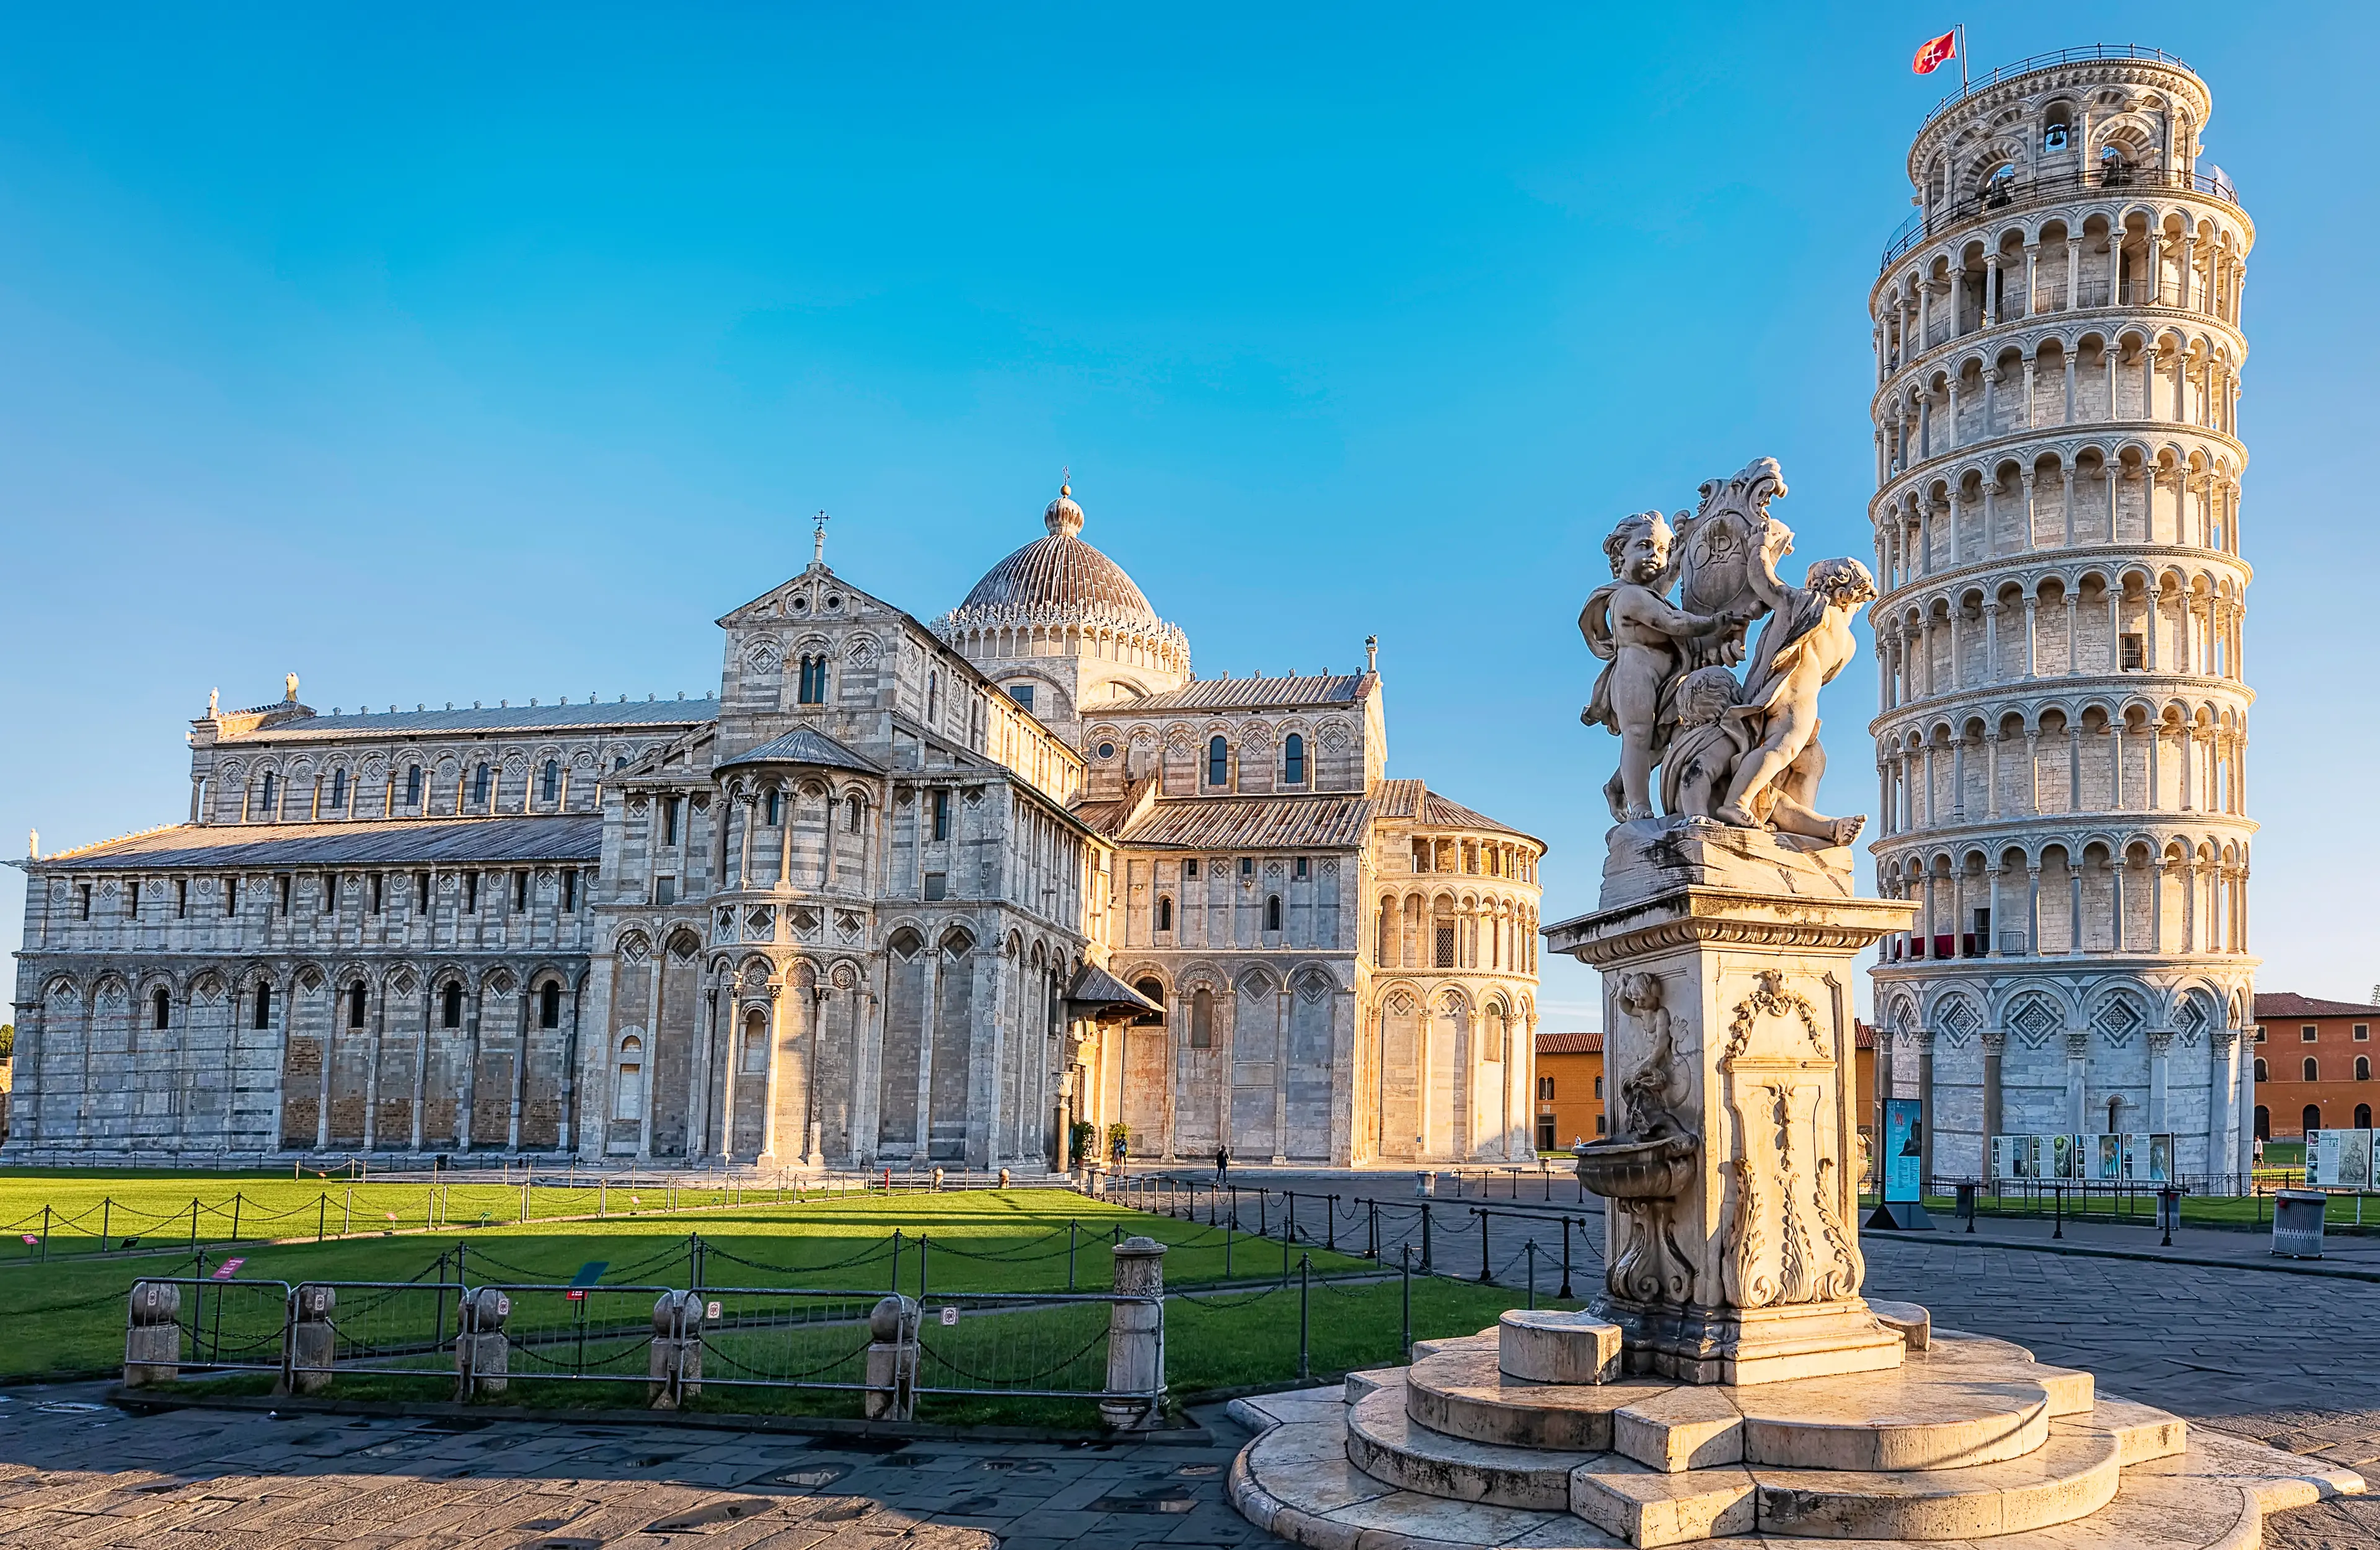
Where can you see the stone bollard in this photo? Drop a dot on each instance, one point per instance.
(1136, 1335)
(892, 1393)
(153, 1338)
(482, 1354)
(674, 1369)
(313, 1344)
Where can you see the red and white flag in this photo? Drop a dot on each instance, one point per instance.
(1935, 52)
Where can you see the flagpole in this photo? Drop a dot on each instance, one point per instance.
(1961, 28)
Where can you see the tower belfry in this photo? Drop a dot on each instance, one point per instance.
(2062, 723)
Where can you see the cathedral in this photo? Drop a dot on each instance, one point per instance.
(980, 892)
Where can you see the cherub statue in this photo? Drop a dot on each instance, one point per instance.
(1644, 640)
(1653, 1092)
(1700, 763)
(1806, 641)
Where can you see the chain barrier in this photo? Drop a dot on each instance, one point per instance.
(936, 1357)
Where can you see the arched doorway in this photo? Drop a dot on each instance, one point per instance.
(2311, 1119)
(2264, 1123)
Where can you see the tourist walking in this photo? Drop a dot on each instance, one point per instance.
(1222, 1164)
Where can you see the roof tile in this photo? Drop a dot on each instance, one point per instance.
(577, 837)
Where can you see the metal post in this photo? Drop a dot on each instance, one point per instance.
(194, 1223)
(1264, 1228)
(1425, 1237)
(322, 1215)
(2059, 1204)
(1285, 1256)
(1565, 1284)
(1404, 1343)
(106, 1208)
(1331, 1223)
(45, 1232)
(438, 1318)
(1530, 1247)
(1372, 1244)
(1304, 1289)
(348, 1212)
(235, 1201)
(1484, 1277)
(1071, 1225)
(921, 1270)
(896, 1262)
(1289, 1227)
(1228, 1236)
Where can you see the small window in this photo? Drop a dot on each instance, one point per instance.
(569, 888)
(813, 680)
(665, 890)
(1421, 855)
(933, 698)
(1190, 867)
(2260, 1032)
(1164, 911)
(231, 896)
(1202, 1020)
(628, 1096)
(1444, 945)
(470, 893)
(1107, 750)
(1298, 870)
(262, 1017)
(2312, 1070)
(550, 783)
(2363, 1116)
(520, 892)
(271, 787)
(421, 893)
(1273, 912)
(2363, 1068)
(281, 887)
(2262, 1073)
(181, 898)
(2363, 1032)
(330, 893)
(1247, 866)
(1155, 992)
(1293, 760)
(854, 808)
(450, 1007)
(160, 1006)
(1546, 1088)
(2135, 654)
(1598, 1087)
(776, 807)
(549, 1005)
(1218, 761)
(479, 785)
(1022, 693)
(413, 785)
(669, 821)
(942, 815)
(83, 901)
(338, 790)
(756, 1042)
(1599, 1124)
(355, 1004)
(2052, 138)
(938, 885)
(2308, 1031)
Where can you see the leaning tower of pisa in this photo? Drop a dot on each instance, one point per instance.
(2062, 715)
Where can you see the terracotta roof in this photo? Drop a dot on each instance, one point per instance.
(1399, 799)
(2288, 1003)
(1246, 823)
(638, 715)
(1254, 694)
(1440, 812)
(573, 836)
(806, 746)
(1569, 1044)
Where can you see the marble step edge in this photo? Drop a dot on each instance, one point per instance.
(1464, 1394)
(1389, 1444)
(2174, 1503)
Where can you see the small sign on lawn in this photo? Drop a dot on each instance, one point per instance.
(712, 1310)
(228, 1269)
(950, 1316)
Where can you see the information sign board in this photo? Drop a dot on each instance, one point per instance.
(1904, 1149)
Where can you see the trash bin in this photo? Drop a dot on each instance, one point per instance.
(2170, 1212)
(1967, 1204)
(2297, 1223)
(1425, 1185)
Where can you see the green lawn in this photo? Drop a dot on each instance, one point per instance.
(69, 1311)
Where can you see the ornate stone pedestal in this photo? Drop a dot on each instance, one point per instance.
(1732, 1241)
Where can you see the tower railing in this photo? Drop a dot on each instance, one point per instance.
(2044, 61)
(2014, 193)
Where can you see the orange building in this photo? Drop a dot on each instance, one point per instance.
(1570, 1105)
(2314, 1065)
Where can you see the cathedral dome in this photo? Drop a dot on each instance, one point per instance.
(1059, 578)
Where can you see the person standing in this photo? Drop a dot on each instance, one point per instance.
(1223, 1165)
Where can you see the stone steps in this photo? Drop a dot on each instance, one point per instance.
(1389, 1444)
(1295, 1481)
(1465, 1394)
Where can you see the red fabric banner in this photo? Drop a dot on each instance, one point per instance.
(1935, 52)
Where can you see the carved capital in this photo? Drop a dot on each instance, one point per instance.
(2160, 1040)
(1995, 1041)
(2078, 1044)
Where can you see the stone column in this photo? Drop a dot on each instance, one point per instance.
(1933, 1119)
(2078, 1050)
(2160, 1042)
(152, 1335)
(1137, 1336)
(892, 1391)
(481, 1351)
(313, 1342)
(1995, 1049)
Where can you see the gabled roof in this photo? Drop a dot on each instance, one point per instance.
(635, 714)
(1095, 989)
(1414, 801)
(2288, 1003)
(805, 746)
(1252, 694)
(575, 837)
(1569, 1044)
(1251, 823)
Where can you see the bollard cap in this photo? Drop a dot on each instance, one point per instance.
(893, 1320)
(1140, 1248)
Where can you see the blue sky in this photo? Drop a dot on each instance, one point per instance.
(438, 354)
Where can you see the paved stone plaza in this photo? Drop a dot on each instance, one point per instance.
(2282, 1358)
